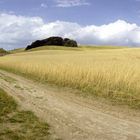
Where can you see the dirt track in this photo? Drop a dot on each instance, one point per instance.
(72, 117)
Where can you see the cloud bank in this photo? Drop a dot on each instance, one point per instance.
(18, 31)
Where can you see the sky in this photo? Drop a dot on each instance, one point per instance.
(97, 22)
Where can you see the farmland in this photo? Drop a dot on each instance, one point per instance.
(109, 73)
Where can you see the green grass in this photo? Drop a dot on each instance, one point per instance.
(7, 104)
(16, 124)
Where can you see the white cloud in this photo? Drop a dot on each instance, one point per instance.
(18, 31)
(71, 3)
(43, 5)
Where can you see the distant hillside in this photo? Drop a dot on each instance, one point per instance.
(18, 50)
(3, 52)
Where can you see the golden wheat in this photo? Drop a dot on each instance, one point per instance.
(114, 74)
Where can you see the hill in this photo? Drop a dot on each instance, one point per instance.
(108, 73)
(79, 48)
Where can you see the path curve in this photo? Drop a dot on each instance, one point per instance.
(70, 118)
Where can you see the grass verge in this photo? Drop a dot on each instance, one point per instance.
(19, 125)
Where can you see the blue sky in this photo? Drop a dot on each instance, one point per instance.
(90, 12)
(99, 22)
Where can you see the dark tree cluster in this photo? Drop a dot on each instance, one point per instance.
(53, 41)
(3, 52)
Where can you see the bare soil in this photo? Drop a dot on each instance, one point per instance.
(70, 115)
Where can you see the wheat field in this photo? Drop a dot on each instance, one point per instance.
(109, 73)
